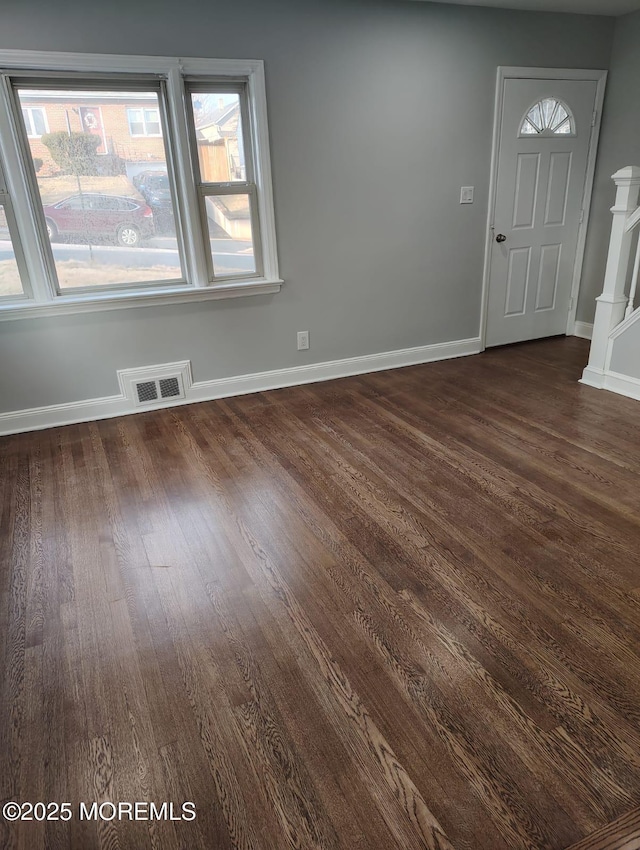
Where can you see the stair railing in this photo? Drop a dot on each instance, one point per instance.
(632, 223)
(613, 305)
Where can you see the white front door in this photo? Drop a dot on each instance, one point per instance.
(541, 172)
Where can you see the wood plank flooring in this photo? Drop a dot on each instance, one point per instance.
(399, 610)
(622, 834)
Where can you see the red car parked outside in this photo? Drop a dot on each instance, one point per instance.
(125, 220)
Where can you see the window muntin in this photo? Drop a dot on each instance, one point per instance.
(35, 121)
(548, 117)
(103, 230)
(222, 159)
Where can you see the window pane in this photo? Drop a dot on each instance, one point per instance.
(535, 117)
(116, 225)
(218, 129)
(39, 125)
(230, 235)
(564, 129)
(27, 121)
(76, 203)
(136, 124)
(559, 117)
(547, 115)
(10, 283)
(548, 107)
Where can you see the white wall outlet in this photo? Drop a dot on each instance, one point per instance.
(303, 340)
(466, 194)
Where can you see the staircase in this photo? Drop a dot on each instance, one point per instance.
(614, 359)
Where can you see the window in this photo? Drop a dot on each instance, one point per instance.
(105, 210)
(144, 122)
(12, 269)
(35, 121)
(549, 117)
(225, 183)
(10, 278)
(152, 184)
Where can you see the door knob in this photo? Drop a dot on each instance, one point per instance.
(501, 237)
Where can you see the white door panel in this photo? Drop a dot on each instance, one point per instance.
(539, 196)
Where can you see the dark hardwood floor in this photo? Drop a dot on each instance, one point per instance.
(399, 610)
(622, 834)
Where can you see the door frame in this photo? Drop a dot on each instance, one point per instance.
(507, 72)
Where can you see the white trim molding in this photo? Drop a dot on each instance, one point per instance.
(583, 329)
(613, 381)
(37, 418)
(508, 72)
(65, 305)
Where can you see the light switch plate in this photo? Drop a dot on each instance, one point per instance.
(466, 194)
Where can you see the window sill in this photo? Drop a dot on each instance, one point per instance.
(91, 303)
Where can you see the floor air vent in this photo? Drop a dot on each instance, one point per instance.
(153, 385)
(169, 387)
(146, 391)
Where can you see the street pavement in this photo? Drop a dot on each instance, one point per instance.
(158, 251)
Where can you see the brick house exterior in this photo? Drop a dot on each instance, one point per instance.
(123, 120)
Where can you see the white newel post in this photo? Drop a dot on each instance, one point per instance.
(610, 306)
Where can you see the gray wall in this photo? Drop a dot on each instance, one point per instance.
(619, 146)
(625, 357)
(376, 252)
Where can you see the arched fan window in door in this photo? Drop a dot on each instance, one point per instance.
(548, 117)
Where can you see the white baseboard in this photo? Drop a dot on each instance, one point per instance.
(583, 329)
(37, 418)
(593, 377)
(622, 384)
(613, 381)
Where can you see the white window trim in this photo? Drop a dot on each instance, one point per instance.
(44, 300)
